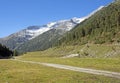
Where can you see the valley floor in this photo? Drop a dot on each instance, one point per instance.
(85, 70)
(18, 72)
(95, 57)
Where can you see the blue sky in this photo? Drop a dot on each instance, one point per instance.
(19, 14)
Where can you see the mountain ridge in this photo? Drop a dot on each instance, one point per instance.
(31, 32)
(20, 37)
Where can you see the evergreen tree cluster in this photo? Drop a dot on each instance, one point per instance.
(102, 27)
(5, 52)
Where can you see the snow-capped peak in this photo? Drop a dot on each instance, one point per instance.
(66, 25)
(78, 20)
(62, 24)
(51, 24)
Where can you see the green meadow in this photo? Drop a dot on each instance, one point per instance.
(18, 72)
(12, 71)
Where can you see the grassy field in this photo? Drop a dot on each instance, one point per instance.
(94, 63)
(18, 72)
(53, 55)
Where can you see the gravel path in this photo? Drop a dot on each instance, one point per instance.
(85, 70)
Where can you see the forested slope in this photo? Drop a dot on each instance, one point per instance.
(102, 27)
(5, 52)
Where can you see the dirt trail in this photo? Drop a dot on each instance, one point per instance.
(85, 70)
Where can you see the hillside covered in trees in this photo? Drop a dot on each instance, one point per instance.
(102, 27)
(5, 52)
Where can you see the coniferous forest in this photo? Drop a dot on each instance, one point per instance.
(102, 27)
(5, 52)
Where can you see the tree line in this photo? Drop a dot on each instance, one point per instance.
(6, 52)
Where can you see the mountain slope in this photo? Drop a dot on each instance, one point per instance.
(41, 42)
(16, 39)
(22, 36)
(102, 27)
(48, 38)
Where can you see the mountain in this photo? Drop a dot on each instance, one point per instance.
(41, 42)
(20, 39)
(102, 27)
(16, 39)
(22, 36)
(48, 38)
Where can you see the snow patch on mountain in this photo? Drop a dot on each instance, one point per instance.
(65, 25)
(78, 20)
(36, 32)
(51, 24)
